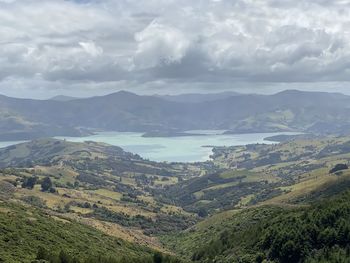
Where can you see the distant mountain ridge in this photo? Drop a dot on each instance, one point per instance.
(63, 98)
(197, 97)
(125, 111)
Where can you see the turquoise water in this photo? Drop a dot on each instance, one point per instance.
(9, 143)
(174, 149)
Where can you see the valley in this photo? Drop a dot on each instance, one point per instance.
(124, 196)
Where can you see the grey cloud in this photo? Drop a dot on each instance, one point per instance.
(128, 44)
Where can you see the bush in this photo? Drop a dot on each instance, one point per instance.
(29, 182)
(339, 167)
(46, 184)
(34, 201)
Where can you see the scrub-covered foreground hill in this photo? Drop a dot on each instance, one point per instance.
(319, 232)
(28, 234)
(123, 111)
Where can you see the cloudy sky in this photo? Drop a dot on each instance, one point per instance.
(94, 47)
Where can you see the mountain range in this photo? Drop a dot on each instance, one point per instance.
(290, 110)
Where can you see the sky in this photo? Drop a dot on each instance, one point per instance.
(95, 47)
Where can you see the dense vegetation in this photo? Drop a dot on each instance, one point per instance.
(23, 232)
(159, 225)
(36, 236)
(64, 257)
(320, 233)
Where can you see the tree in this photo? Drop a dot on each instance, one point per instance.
(202, 212)
(157, 257)
(64, 257)
(46, 184)
(339, 167)
(76, 184)
(42, 253)
(29, 182)
(290, 252)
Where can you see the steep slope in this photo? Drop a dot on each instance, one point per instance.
(316, 233)
(24, 230)
(288, 110)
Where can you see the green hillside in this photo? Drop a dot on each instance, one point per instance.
(24, 231)
(316, 233)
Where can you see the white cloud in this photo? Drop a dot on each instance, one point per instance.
(91, 48)
(158, 43)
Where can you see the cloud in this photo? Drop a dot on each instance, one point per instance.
(160, 44)
(78, 46)
(91, 49)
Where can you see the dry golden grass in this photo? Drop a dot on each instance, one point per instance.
(130, 210)
(80, 210)
(174, 209)
(107, 194)
(170, 181)
(316, 181)
(52, 201)
(147, 199)
(60, 219)
(11, 178)
(112, 229)
(245, 200)
(5, 210)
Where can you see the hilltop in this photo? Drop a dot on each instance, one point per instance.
(314, 112)
(63, 98)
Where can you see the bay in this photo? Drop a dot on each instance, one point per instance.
(190, 148)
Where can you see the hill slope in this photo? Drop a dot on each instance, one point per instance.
(123, 111)
(24, 231)
(318, 233)
(248, 175)
(96, 184)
